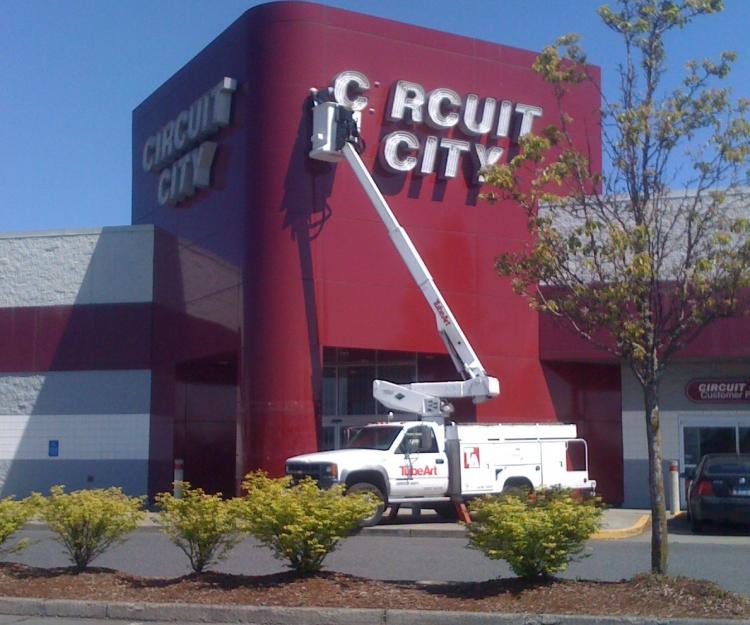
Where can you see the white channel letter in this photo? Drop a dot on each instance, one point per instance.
(469, 124)
(203, 159)
(221, 97)
(149, 152)
(354, 83)
(441, 105)
(180, 130)
(528, 113)
(182, 179)
(165, 184)
(454, 148)
(503, 120)
(428, 155)
(166, 143)
(407, 96)
(396, 155)
(483, 157)
(195, 117)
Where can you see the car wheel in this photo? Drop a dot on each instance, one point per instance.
(366, 487)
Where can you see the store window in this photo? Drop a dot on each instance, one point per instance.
(347, 401)
(701, 436)
(700, 441)
(744, 440)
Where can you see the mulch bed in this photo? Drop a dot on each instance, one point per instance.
(642, 596)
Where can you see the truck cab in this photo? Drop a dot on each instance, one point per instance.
(402, 460)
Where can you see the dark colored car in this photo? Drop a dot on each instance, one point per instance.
(719, 490)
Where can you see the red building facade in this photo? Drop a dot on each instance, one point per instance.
(251, 360)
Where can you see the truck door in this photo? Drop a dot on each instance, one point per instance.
(418, 467)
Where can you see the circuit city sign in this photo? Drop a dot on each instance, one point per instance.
(180, 151)
(718, 390)
(440, 109)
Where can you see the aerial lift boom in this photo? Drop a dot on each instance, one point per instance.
(336, 137)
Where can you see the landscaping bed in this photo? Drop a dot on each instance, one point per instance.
(642, 596)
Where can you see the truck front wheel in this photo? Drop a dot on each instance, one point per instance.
(366, 487)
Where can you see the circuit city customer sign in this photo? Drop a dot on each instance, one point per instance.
(718, 390)
(481, 121)
(180, 153)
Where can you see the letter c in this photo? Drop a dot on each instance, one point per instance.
(392, 153)
(342, 84)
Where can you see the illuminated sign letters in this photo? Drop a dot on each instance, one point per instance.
(441, 109)
(180, 152)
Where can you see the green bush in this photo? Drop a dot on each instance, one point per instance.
(13, 516)
(300, 523)
(88, 522)
(204, 526)
(537, 534)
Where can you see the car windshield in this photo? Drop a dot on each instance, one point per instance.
(379, 437)
(733, 465)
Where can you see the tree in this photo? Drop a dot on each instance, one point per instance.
(624, 260)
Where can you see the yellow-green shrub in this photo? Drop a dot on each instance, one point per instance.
(88, 522)
(300, 523)
(204, 526)
(537, 534)
(13, 516)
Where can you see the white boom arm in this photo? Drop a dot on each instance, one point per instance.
(331, 143)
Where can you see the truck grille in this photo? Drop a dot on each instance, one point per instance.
(316, 471)
(298, 470)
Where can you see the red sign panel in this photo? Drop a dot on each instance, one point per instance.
(726, 390)
(471, 458)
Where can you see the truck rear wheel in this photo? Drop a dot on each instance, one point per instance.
(366, 487)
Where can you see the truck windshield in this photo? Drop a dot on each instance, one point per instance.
(380, 437)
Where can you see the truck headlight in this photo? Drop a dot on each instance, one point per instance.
(331, 470)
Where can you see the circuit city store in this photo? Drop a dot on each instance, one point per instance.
(243, 315)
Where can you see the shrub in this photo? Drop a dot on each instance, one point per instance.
(301, 523)
(13, 516)
(204, 526)
(537, 534)
(88, 522)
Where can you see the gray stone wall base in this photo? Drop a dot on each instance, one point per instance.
(196, 613)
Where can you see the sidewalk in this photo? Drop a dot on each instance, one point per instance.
(617, 523)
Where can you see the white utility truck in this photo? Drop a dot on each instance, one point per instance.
(430, 461)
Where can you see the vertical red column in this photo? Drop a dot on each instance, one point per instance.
(281, 354)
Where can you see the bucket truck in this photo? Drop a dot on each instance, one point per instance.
(427, 460)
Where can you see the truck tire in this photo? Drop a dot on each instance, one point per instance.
(366, 487)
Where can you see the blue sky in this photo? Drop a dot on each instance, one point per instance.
(72, 71)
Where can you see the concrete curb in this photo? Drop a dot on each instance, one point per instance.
(624, 532)
(425, 531)
(195, 613)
